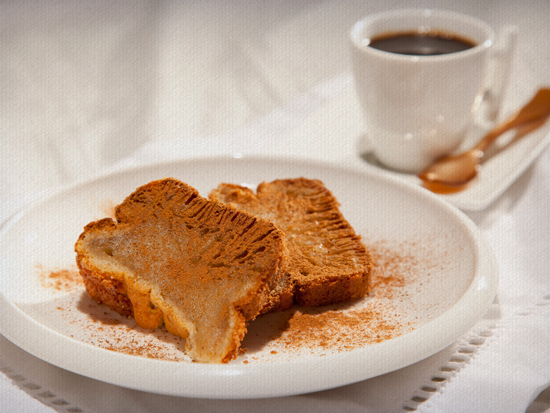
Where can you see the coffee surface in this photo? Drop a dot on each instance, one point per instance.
(421, 44)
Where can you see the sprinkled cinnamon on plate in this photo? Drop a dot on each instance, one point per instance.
(339, 330)
(60, 280)
(314, 331)
(369, 321)
(393, 267)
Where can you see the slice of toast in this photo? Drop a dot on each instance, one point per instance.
(328, 263)
(200, 267)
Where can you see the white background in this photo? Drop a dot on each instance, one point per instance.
(84, 85)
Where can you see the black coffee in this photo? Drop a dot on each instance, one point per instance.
(421, 44)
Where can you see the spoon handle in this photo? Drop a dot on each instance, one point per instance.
(523, 130)
(510, 124)
(526, 129)
(492, 136)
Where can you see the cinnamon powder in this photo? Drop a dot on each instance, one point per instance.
(60, 280)
(320, 329)
(340, 328)
(394, 266)
(126, 343)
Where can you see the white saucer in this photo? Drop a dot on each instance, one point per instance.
(339, 124)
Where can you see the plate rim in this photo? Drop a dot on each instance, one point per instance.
(478, 296)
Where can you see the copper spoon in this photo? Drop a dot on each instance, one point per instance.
(452, 173)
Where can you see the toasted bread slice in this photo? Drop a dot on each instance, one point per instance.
(328, 263)
(201, 268)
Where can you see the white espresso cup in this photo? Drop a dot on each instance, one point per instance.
(418, 107)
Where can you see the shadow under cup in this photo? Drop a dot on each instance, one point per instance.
(418, 108)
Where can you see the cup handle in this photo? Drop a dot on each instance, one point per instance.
(500, 65)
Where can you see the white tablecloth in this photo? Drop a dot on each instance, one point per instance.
(98, 86)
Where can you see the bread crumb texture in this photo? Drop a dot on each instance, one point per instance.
(328, 263)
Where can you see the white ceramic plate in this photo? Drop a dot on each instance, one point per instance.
(450, 280)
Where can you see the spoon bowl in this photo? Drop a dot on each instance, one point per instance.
(453, 173)
(455, 170)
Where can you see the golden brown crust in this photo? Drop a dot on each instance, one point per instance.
(327, 263)
(104, 289)
(201, 268)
